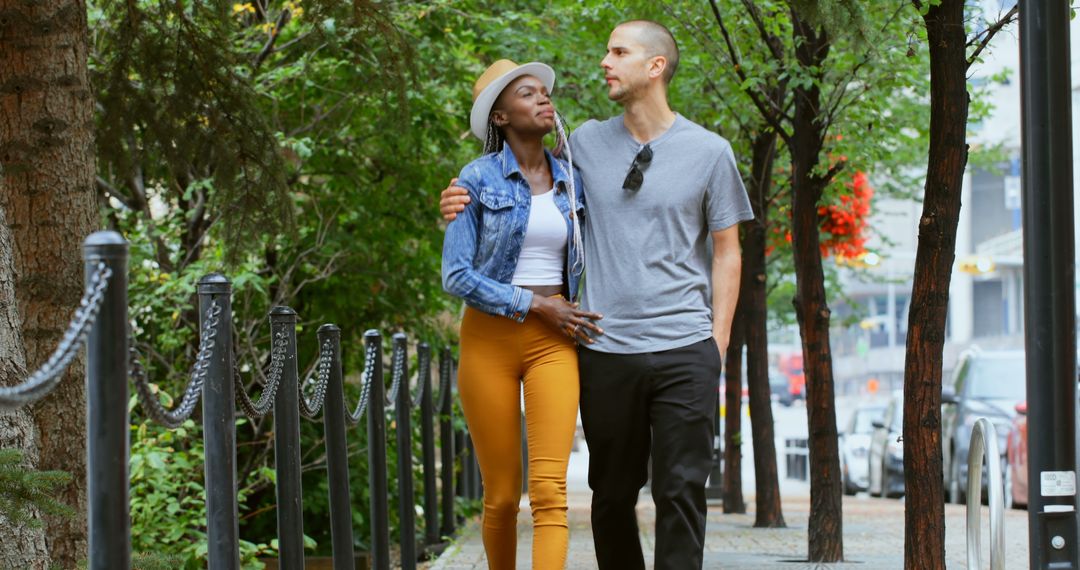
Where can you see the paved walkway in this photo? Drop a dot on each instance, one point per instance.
(873, 535)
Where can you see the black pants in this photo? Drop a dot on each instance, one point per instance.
(631, 404)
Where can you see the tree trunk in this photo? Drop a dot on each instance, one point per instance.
(47, 165)
(924, 528)
(754, 312)
(734, 503)
(22, 547)
(811, 307)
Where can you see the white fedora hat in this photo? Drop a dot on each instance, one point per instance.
(492, 82)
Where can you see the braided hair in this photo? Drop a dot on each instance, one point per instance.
(495, 139)
(563, 145)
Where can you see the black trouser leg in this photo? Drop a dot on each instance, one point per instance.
(615, 419)
(683, 399)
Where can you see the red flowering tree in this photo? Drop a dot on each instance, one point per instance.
(842, 223)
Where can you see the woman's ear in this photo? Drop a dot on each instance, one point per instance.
(499, 118)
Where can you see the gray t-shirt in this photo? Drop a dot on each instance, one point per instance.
(647, 252)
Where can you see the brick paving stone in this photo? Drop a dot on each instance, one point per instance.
(873, 538)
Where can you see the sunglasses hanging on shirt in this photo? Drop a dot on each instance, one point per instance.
(635, 177)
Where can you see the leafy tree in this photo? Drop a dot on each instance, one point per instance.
(952, 50)
(821, 94)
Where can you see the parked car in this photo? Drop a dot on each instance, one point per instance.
(885, 460)
(779, 388)
(855, 447)
(790, 365)
(985, 384)
(1016, 453)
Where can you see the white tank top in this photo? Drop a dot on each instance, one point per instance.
(543, 253)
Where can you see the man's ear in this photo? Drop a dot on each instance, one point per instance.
(657, 65)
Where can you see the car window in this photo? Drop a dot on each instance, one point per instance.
(864, 420)
(997, 379)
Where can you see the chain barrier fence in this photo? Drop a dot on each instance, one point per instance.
(101, 325)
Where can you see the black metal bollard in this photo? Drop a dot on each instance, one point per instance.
(446, 441)
(403, 410)
(290, 520)
(219, 432)
(377, 479)
(427, 442)
(337, 459)
(107, 409)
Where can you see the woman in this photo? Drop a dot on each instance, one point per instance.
(514, 255)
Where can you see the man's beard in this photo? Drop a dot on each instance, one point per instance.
(624, 92)
(619, 94)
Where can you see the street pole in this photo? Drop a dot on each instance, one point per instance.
(1049, 283)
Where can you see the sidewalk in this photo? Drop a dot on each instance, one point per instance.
(873, 534)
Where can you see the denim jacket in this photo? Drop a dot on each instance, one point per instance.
(482, 245)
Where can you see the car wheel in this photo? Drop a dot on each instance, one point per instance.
(887, 485)
(956, 487)
(885, 482)
(849, 489)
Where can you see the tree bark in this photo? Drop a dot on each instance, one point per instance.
(754, 311)
(47, 171)
(811, 306)
(924, 528)
(734, 503)
(22, 547)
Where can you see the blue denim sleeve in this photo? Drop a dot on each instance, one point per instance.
(459, 275)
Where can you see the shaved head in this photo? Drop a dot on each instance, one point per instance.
(658, 41)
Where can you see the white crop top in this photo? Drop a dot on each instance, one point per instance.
(543, 253)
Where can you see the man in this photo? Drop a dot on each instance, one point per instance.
(658, 190)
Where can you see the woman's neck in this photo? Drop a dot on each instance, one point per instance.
(529, 152)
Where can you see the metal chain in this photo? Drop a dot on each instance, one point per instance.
(256, 410)
(310, 408)
(153, 408)
(353, 417)
(397, 372)
(48, 376)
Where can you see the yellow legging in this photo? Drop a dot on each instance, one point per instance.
(498, 357)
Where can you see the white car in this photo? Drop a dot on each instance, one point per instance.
(855, 445)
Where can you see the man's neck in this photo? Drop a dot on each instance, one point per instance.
(648, 117)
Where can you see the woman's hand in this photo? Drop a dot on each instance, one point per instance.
(567, 317)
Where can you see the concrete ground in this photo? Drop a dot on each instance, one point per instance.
(873, 533)
(873, 538)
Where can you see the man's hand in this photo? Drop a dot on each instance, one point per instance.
(453, 201)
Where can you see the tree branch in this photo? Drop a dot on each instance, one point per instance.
(990, 32)
(268, 49)
(770, 116)
(770, 40)
(832, 172)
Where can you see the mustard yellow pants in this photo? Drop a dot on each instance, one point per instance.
(499, 357)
